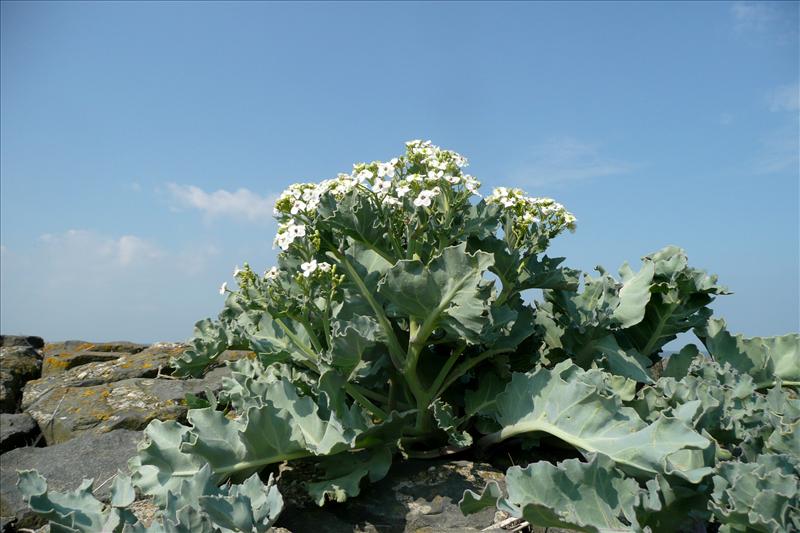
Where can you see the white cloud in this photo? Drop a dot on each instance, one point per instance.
(779, 153)
(83, 284)
(241, 204)
(776, 22)
(568, 159)
(726, 119)
(127, 250)
(753, 16)
(785, 98)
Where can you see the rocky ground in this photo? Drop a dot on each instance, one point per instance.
(75, 410)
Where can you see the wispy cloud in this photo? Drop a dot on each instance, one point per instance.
(775, 20)
(753, 16)
(241, 204)
(785, 98)
(779, 153)
(568, 159)
(80, 282)
(101, 251)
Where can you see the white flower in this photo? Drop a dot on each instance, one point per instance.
(324, 267)
(386, 169)
(309, 267)
(413, 177)
(236, 271)
(381, 186)
(272, 273)
(453, 179)
(424, 197)
(402, 190)
(298, 207)
(435, 175)
(364, 175)
(223, 288)
(296, 230)
(471, 184)
(390, 200)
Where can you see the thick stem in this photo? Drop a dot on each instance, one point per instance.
(466, 366)
(373, 409)
(395, 351)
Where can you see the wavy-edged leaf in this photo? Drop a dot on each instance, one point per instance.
(759, 496)
(588, 496)
(344, 473)
(577, 413)
(448, 291)
(448, 422)
(764, 358)
(678, 303)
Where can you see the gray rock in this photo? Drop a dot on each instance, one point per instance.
(17, 430)
(54, 348)
(65, 465)
(67, 412)
(18, 365)
(142, 364)
(416, 496)
(61, 356)
(60, 363)
(19, 340)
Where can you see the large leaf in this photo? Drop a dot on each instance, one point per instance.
(531, 272)
(357, 217)
(446, 292)
(582, 496)
(558, 402)
(78, 510)
(449, 423)
(679, 302)
(210, 339)
(759, 496)
(764, 358)
(344, 473)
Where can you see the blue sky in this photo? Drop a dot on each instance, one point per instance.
(142, 143)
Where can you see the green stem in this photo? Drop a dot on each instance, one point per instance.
(373, 409)
(395, 351)
(370, 393)
(437, 383)
(300, 344)
(245, 465)
(467, 365)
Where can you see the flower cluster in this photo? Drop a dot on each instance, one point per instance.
(532, 217)
(417, 177)
(312, 266)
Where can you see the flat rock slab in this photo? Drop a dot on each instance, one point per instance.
(22, 340)
(416, 496)
(67, 412)
(65, 465)
(55, 348)
(17, 430)
(61, 362)
(142, 364)
(18, 365)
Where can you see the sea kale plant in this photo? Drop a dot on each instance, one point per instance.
(399, 323)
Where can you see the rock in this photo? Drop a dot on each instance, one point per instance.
(18, 365)
(416, 496)
(59, 363)
(54, 348)
(67, 412)
(61, 356)
(65, 465)
(17, 430)
(17, 340)
(143, 364)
